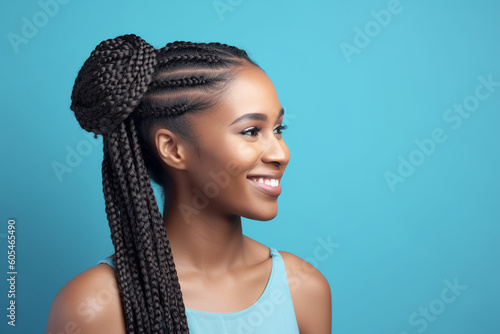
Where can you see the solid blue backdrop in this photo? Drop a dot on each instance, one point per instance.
(393, 185)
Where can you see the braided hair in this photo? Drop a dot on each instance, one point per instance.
(124, 88)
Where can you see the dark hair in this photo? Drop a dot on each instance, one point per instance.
(124, 88)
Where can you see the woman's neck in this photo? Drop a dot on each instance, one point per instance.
(204, 240)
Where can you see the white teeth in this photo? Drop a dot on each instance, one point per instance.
(269, 182)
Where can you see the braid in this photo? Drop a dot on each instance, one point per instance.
(228, 50)
(167, 278)
(195, 57)
(127, 266)
(123, 77)
(175, 83)
(112, 194)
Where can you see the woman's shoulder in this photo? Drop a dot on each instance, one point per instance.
(311, 294)
(299, 271)
(309, 289)
(89, 303)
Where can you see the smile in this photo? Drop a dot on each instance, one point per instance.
(269, 182)
(269, 186)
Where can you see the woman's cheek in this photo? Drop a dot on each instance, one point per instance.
(246, 149)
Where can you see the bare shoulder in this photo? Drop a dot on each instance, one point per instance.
(257, 249)
(88, 303)
(311, 295)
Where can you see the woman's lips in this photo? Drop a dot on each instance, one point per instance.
(270, 186)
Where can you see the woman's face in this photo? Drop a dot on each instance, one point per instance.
(242, 155)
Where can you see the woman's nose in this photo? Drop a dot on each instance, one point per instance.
(276, 151)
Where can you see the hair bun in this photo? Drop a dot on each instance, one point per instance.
(111, 82)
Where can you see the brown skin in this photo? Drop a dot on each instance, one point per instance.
(214, 260)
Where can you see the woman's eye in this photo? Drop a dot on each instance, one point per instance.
(280, 128)
(253, 131)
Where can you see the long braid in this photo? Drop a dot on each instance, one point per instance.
(112, 196)
(129, 268)
(123, 77)
(167, 267)
(139, 235)
(161, 242)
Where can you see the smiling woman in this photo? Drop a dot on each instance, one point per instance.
(203, 121)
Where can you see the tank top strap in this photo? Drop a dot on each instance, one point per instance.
(109, 261)
(279, 269)
(279, 290)
(275, 305)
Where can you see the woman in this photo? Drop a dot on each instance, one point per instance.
(204, 122)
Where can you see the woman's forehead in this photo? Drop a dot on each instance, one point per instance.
(250, 91)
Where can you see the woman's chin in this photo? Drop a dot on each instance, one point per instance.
(263, 214)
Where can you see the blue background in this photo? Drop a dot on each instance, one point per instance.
(352, 118)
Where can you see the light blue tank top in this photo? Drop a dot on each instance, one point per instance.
(272, 313)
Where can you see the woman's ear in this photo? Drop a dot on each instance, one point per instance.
(170, 148)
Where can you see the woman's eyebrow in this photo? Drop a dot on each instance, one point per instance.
(256, 116)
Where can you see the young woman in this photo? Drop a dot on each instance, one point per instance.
(204, 122)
